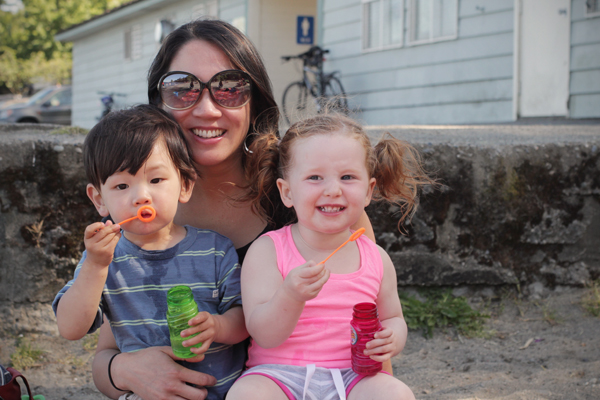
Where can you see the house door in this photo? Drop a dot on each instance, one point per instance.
(544, 58)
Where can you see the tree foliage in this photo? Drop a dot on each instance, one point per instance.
(28, 51)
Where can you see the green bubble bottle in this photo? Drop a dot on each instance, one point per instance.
(181, 307)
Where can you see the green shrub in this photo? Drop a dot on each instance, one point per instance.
(441, 310)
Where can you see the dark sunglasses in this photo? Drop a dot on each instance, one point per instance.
(181, 90)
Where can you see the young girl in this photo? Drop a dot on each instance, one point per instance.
(298, 312)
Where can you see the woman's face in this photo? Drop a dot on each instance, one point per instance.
(214, 133)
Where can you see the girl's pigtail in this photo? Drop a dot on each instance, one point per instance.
(400, 175)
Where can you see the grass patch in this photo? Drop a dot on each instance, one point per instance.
(591, 299)
(442, 310)
(26, 356)
(90, 342)
(550, 315)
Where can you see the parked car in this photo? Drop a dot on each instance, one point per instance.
(49, 106)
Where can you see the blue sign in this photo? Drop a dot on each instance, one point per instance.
(305, 30)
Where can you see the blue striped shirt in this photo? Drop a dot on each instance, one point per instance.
(134, 298)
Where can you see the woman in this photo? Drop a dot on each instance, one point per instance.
(220, 125)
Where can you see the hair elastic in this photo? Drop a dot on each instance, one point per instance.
(110, 375)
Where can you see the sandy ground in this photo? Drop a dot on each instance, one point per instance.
(541, 349)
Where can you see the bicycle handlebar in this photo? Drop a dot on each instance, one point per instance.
(310, 53)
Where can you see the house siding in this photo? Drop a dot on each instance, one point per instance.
(467, 80)
(99, 63)
(584, 87)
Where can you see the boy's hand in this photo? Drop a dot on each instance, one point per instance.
(383, 346)
(304, 283)
(207, 325)
(100, 241)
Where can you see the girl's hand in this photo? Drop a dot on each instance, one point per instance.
(100, 241)
(207, 326)
(383, 347)
(304, 283)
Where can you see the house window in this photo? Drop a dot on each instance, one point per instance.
(592, 8)
(162, 30)
(133, 43)
(432, 20)
(383, 23)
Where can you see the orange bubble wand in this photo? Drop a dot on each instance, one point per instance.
(352, 238)
(144, 213)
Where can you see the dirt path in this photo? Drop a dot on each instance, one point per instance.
(541, 350)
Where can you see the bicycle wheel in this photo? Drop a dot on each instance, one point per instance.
(298, 103)
(335, 96)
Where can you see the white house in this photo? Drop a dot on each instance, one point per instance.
(400, 61)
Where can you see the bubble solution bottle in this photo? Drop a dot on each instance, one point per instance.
(181, 307)
(365, 322)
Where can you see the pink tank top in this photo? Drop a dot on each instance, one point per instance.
(322, 335)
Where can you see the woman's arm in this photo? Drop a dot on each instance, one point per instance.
(150, 373)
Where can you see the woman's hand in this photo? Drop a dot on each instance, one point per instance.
(150, 373)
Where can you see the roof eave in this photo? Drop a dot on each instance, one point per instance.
(107, 20)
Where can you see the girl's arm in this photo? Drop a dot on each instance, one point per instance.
(365, 222)
(391, 340)
(150, 373)
(272, 305)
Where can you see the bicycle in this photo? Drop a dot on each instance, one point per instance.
(316, 92)
(108, 102)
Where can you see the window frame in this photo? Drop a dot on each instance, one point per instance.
(365, 27)
(411, 11)
(132, 43)
(592, 14)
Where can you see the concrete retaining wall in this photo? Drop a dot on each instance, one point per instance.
(520, 205)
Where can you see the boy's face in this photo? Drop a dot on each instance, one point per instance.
(157, 184)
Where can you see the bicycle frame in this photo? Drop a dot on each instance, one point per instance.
(315, 86)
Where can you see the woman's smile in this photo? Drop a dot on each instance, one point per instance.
(208, 133)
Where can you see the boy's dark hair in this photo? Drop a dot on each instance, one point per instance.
(123, 140)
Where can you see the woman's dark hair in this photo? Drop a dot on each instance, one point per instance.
(243, 55)
(123, 140)
(240, 51)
